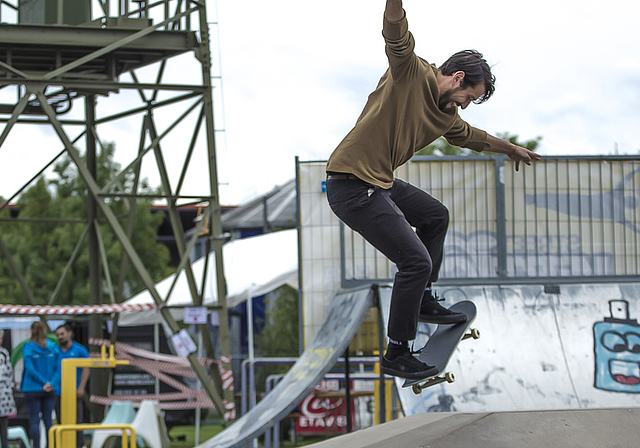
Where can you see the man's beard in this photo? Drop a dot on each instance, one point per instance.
(445, 98)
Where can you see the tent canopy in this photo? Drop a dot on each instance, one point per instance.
(252, 266)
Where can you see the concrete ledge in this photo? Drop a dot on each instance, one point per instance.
(601, 428)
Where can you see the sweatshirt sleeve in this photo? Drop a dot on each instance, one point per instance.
(30, 368)
(400, 47)
(466, 136)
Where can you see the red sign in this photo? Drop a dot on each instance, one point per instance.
(321, 415)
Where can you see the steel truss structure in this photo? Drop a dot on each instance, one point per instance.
(131, 52)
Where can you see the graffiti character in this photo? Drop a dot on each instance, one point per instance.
(617, 350)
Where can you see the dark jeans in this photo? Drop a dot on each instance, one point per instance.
(39, 403)
(79, 418)
(4, 429)
(385, 219)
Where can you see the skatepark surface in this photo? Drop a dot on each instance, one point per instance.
(602, 428)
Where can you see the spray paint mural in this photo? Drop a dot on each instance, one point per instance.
(617, 350)
(537, 351)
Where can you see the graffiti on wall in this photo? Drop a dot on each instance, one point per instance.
(617, 350)
(617, 204)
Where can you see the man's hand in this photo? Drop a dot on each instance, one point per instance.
(80, 393)
(516, 153)
(47, 387)
(393, 11)
(523, 155)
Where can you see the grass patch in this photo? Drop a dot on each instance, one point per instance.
(184, 436)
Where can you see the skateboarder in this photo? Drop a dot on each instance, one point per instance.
(413, 104)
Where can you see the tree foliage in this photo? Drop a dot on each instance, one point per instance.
(41, 250)
(441, 147)
(279, 336)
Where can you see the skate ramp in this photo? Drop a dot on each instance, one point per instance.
(593, 428)
(346, 312)
(574, 348)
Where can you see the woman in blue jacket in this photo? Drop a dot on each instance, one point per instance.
(40, 367)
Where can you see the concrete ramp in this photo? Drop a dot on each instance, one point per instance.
(346, 312)
(593, 428)
(576, 348)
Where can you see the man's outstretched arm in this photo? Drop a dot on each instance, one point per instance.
(393, 11)
(514, 152)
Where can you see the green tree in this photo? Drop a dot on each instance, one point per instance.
(531, 144)
(41, 250)
(441, 147)
(279, 337)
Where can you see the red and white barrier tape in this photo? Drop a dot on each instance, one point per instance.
(37, 310)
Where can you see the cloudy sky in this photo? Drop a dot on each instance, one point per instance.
(296, 74)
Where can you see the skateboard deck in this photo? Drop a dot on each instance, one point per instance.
(441, 346)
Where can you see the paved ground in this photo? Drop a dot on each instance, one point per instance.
(597, 428)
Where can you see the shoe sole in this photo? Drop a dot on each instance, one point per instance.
(434, 320)
(408, 375)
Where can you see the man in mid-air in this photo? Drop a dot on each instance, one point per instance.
(414, 104)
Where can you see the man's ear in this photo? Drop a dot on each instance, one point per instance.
(457, 78)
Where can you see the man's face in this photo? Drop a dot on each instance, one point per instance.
(459, 97)
(64, 336)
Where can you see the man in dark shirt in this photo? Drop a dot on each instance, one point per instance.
(413, 104)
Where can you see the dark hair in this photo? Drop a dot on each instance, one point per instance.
(476, 71)
(67, 327)
(38, 333)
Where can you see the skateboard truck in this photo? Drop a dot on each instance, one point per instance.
(474, 333)
(441, 345)
(448, 377)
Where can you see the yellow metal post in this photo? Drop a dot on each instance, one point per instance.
(56, 433)
(68, 395)
(378, 389)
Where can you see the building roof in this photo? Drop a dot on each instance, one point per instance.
(274, 210)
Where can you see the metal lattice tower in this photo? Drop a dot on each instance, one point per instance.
(149, 63)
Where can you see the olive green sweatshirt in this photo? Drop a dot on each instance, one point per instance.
(401, 116)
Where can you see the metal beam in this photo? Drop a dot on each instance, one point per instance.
(215, 217)
(14, 117)
(94, 190)
(114, 46)
(153, 144)
(174, 217)
(14, 268)
(145, 108)
(67, 268)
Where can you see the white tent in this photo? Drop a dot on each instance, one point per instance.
(253, 266)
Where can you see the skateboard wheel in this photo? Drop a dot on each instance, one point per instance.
(416, 389)
(475, 333)
(450, 377)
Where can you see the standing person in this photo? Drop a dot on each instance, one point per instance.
(69, 348)
(7, 384)
(414, 103)
(41, 364)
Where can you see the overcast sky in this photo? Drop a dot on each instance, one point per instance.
(296, 74)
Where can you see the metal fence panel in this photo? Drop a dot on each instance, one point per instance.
(561, 220)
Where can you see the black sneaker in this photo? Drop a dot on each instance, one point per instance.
(431, 312)
(405, 365)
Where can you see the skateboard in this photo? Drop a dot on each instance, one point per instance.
(441, 345)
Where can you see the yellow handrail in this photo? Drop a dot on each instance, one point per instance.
(68, 385)
(56, 431)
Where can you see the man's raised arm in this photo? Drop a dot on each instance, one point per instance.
(393, 11)
(514, 152)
